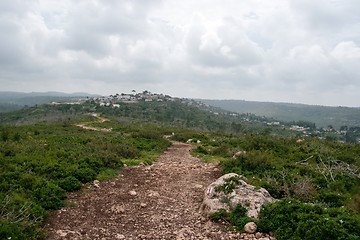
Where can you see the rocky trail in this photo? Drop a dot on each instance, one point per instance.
(161, 201)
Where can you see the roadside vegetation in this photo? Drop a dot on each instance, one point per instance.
(317, 181)
(41, 162)
(43, 155)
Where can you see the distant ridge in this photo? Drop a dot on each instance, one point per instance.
(12, 94)
(322, 116)
(10, 101)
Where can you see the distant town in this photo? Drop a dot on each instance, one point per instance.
(303, 130)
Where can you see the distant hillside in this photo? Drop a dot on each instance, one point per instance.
(156, 108)
(10, 101)
(322, 116)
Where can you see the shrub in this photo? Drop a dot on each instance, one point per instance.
(70, 184)
(148, 134)
(237, 217)
(332, 199)
(252, 161)
(290, 219)
(5, 134)
(50, 195)
(274, 188)
(128, 151)
(222, 151)
(111, 160)
(201, 150)
(85, 174)
(11, 231)
(218, 215)
(304, 190)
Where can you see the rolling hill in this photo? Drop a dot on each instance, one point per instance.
(10, 101)
(322, 116)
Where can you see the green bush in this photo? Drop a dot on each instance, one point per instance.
(238, 217)
(332, 199)
(222, 151)
(274, 188)
(251, 161)
(110, 160)
(128, 151)
(201, 149)
(218, 215)
(70, 184)
(49, 195)
(15, 229)
(291, 219)
(85, 174)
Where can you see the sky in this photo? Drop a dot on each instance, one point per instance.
(298, 51)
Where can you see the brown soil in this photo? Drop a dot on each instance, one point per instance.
(160, 201)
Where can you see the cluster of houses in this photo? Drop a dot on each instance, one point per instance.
(115, 100)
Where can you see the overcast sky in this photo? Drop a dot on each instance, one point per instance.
(300, 51)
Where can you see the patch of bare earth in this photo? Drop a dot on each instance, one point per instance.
(160, 201)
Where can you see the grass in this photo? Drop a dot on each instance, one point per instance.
(107, 174)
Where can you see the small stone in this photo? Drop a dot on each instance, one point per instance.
(132, 193)
(61, 233)
(250, 227)
(143, 205)
(119, 236)
(258, 235)
(96, 183)
(117, 209)
(153, 194)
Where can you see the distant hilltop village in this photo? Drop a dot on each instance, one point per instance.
(116, 100)
(134, 97)
(113, 100)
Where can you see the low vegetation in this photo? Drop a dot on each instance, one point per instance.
(43, 155)
(321, 177)
(41, 162)
(237, 218)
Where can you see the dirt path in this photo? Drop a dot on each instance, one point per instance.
(99, 120)
(161, 201)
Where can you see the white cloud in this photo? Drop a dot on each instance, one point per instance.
(346, 51)
(281, 50)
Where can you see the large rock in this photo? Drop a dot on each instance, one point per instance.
(230, 190)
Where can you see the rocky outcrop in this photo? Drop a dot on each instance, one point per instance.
(230, 190)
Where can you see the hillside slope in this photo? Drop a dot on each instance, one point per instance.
(322, 116)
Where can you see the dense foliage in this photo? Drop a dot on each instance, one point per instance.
(293, 220)
(41, 162)
(237, 217)
(320, 172)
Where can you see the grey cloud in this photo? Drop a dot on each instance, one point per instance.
(278, 50)
(327, 17)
